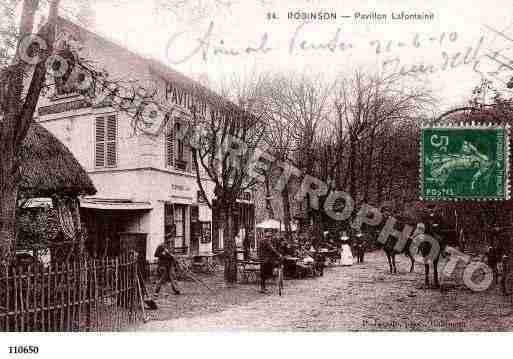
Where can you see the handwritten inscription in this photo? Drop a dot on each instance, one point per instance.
(207, 46)
(299, 41)
(498, 63)
(417, 41)
(447, 61)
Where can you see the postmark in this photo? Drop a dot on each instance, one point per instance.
(464, 162)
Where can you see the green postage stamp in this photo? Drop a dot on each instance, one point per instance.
(464, 163)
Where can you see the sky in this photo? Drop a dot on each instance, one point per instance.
(450, 53)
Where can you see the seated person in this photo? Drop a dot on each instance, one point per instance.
(319, 260)
(284, 248)
(287, 251)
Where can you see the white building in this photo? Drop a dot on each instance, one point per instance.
(146, 184)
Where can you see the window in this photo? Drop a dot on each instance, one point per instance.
(193, 164)
(180, 161)
(106, 137)
(179, 144)
(178, 154)
(170, 143)
(179, 216)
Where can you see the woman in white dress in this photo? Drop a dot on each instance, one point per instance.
(346, 257)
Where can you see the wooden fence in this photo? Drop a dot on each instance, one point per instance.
(93, 295)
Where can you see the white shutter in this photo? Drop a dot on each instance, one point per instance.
(99, 152)
(106, 141)
(111, 137)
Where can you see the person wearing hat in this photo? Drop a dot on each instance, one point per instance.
(360, 247)
(268, 255)
(167, 264)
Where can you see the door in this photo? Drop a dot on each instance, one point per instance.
(195, 229)
(179, 217)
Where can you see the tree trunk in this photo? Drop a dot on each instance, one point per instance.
(230, 261)
(286, 212)
(380, 180)
(317, 227)
(16, 115)
(368, 170)
(351, 169)
(8, 196)
(268, 201)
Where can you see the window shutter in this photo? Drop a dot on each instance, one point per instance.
(111, 150)
(193, 164)
(179, 146)
(169, 143)
(100, 142)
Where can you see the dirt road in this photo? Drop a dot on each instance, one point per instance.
(360, 297)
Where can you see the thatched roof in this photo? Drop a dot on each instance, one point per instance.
(48, 167)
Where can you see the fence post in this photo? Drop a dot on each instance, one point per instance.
(42, 300)
(54, 298)
(68, 301)
(27, 297)
(61, 270)
(15, 298)
(117, 292)
(97, 307)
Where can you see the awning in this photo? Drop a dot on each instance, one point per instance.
(274, 224)
(114, 204)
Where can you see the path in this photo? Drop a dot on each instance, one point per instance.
(361, 297)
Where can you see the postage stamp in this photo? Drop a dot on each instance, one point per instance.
(464, 163)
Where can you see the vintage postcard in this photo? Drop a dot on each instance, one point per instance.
(254, 165)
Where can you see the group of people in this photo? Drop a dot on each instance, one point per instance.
(303, 254)
(273, 250)
(347, 246)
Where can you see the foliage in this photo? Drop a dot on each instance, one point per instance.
(36, 226)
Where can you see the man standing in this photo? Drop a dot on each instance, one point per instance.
(166, 267)
(360, 247)
(246, 244)
(267, 255)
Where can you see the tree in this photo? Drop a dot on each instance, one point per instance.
(368, 109)
(25, 75)
(223, 145)
(295, 107)
(21, 86)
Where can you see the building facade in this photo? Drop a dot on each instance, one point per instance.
(147, 185)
